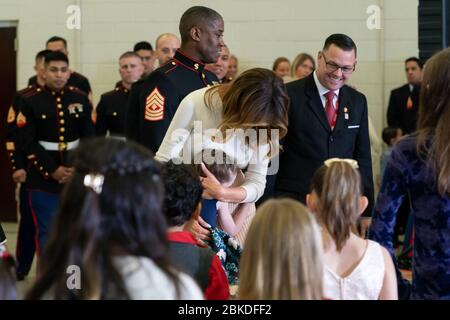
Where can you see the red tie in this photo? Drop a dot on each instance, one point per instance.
(330, 110)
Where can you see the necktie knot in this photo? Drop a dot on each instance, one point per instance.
(329, 95)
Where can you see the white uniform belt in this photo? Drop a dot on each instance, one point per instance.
(59, 146)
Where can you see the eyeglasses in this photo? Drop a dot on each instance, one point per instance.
(332, 67)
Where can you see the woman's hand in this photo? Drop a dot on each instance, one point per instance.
(212, 189)
(200, 229)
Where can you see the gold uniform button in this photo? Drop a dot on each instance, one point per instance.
(59, 105)
(173, 63)
(61, 121)
(35, 162)
(58, 99)
(203, 75)
(44, 116)
(61, 113)
(61, 138)
(117, 89)
(14, 168)
(77, 116)
(41, 168)
(38, 89)
(126, 90)
(12, 161)
(114, 114)
(53, 92)
(62, 130)
(11, 154)
(46, 174)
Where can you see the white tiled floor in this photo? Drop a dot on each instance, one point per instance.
(11, 234)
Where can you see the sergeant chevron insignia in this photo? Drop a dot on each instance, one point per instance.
(11, 115)
(21, 120)
(154, 106)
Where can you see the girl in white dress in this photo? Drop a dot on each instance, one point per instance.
(355, 268)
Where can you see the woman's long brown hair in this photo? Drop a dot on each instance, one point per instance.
(433, 140)
(257, 99)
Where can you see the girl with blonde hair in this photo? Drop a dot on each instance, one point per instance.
(355, 268)
(282, 257)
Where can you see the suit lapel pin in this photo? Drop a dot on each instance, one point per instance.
(346, 113)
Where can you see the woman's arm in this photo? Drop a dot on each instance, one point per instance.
(251, 189)
(232, 223)
(179, 129)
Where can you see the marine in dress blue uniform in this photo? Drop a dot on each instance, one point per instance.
(154, 101)
(111, 112)
(51, 122)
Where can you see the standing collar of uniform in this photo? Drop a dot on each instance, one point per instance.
(54, 92)
(188, 62)
(121, 87)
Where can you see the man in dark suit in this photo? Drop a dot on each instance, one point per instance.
(326, 119)
(404, 101)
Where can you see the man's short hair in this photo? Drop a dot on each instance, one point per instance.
(183, 192)
(341, 41)
(415, 59)
(129, 54)
(56, 56)
(389, 133)
(41, 54)
(194, 16)
(56, 38)
(143, 45)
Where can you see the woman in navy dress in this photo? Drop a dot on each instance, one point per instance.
(420, 167)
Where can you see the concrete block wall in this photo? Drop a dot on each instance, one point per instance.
(257, 31)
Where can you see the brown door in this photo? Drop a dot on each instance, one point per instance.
(8, 206)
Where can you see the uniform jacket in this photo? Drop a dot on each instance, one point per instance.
(111, 111)
(58, 118)
(153, 101)
(14, 147)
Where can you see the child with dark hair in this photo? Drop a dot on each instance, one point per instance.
(233, 218)
(110, 227)
(8, 290)
(181, 204)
